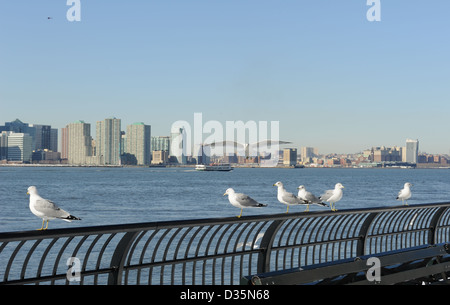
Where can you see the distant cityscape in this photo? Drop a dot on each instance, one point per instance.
(23, 143)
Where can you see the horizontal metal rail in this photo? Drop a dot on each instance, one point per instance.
(215, 251)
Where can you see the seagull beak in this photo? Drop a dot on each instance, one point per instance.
(274, 185)
(28, 193)
(225, 194)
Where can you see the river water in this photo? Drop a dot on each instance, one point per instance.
(103, 196)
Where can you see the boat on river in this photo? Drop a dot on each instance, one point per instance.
(222, 167)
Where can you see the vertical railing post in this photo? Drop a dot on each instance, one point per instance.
(363, 231)
(119, 256)
(266, 246)
(433, 224)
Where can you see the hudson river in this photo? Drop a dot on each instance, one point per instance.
(127, 195)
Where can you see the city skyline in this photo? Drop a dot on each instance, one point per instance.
(115, 132)
(333, 79)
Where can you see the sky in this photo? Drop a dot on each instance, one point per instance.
(330, 77)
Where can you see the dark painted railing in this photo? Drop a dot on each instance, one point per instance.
(214, 251)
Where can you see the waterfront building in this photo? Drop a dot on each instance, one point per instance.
(3, 145)
(178, 145)
(19, 146)
(412, 151)
(160, 156)
(64, 143)
(17, 126)
(203, 154)
(79, 143)
(43, 136)
(290, 156)
(53, 139)
(161, 143)
(108, 141)
(46, 156)
(138, 142)
(308, 153)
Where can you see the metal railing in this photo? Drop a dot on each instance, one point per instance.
(214, 251)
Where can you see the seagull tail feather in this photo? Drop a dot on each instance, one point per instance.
(70, 218)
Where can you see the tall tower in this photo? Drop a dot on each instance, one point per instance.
(178, 144)
(79, 142)
(108, 141)
(412, 150)
(138, 142)
(19, 147)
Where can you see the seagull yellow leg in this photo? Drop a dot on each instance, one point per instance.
(307, 208)
(46, 227)
(333, 208)
(240, 214)
(42, 228)
(287, 211)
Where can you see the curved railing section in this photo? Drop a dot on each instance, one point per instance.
(214, 251)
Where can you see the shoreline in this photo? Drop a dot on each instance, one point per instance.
(419, 166)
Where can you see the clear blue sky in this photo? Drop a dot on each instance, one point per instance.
(331, 78)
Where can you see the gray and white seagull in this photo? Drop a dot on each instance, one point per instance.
(287, 198)
(333, 196)
(405, 193)
(46, 209)
(242, 201)
(309, 197)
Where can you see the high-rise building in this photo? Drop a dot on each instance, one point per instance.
(79, 143)
(64, 143)
(3, 145)
(178, 145)
(54, 139)
(17, 126)
(138, 142)
(307, 153)
(108, 141)
(290, 156)
(19, 147)
(412, 150)
(161, 143)
(45, 137)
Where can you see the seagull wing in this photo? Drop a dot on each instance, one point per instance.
(403, 192)
(50, 209)
(327, 195)
(292, 199)
(247, 201)
(311, 198)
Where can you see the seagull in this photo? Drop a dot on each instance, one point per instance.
(242, 201)
(308, 197)
(405, 193)
(46, 209)
(286, 197)
(333, 196)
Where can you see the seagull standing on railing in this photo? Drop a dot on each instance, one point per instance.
(46, 209)
(242, 201)
(308, 197)
(333, 196)
(287, 198)
(405, 193)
